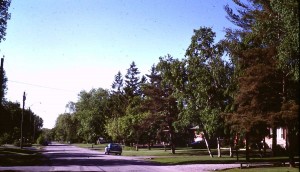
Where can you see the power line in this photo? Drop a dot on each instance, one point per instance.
(41, 86)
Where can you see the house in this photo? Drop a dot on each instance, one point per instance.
(199, 136)
(281, 137)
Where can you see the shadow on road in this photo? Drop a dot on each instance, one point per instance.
(69, 156)
(91, 161)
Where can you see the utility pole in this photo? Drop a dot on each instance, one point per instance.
(21, 140)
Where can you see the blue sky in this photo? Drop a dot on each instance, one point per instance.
(55, 49)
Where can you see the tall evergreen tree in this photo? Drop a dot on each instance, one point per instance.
(117, 99)
(170, 112)
(132, 81)
(154, 104)
(117, 85)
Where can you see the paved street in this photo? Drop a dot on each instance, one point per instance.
(70, 158)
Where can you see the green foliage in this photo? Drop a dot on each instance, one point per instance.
(268, 61)
(286, 16)
(92, 111)
(129, 126)
(4, 138)
(10, 122)
(117, 85)
(41, 140)
(208, 79)
(267, 57)
(114, 129)
(65, 127)
(4, 17)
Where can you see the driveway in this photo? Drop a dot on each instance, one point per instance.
(70, 158)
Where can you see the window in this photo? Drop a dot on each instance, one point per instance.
(280, 134)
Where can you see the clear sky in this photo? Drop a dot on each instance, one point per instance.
(54, 49)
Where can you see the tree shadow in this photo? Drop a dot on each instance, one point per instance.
(90, 161)
(58, 158)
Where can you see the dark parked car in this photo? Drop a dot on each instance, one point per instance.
(198, 145)
(113, 148)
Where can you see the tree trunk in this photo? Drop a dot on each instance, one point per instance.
(173, 148)
(289, 146)
(247, 147)
(231, 145)
(149, 146)
(137, 146)
(237, 147)
(274, 141)
(207, 145)
(172, 140)
(219, 147)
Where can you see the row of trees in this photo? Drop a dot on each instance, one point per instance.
(242, 85)
(10, 125)
(10, 112)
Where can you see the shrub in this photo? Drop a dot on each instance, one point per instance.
(42, 141)
(280, 151)
(4, 138)
(16, 143)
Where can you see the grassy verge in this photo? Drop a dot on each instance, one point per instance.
(14, 156)
(99, 147)
(203, 159)
(161, 152)
(264, 169)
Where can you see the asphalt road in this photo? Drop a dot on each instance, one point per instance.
(70, 158)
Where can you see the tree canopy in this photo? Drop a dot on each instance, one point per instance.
(241, 85)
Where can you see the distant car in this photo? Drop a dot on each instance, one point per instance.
(113, 148)
(100, 140)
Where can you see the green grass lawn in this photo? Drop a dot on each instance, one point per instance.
(201, 159)
(91, 146)
(186, 155)
(180, 152)
(264, 169)
(14, 156)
